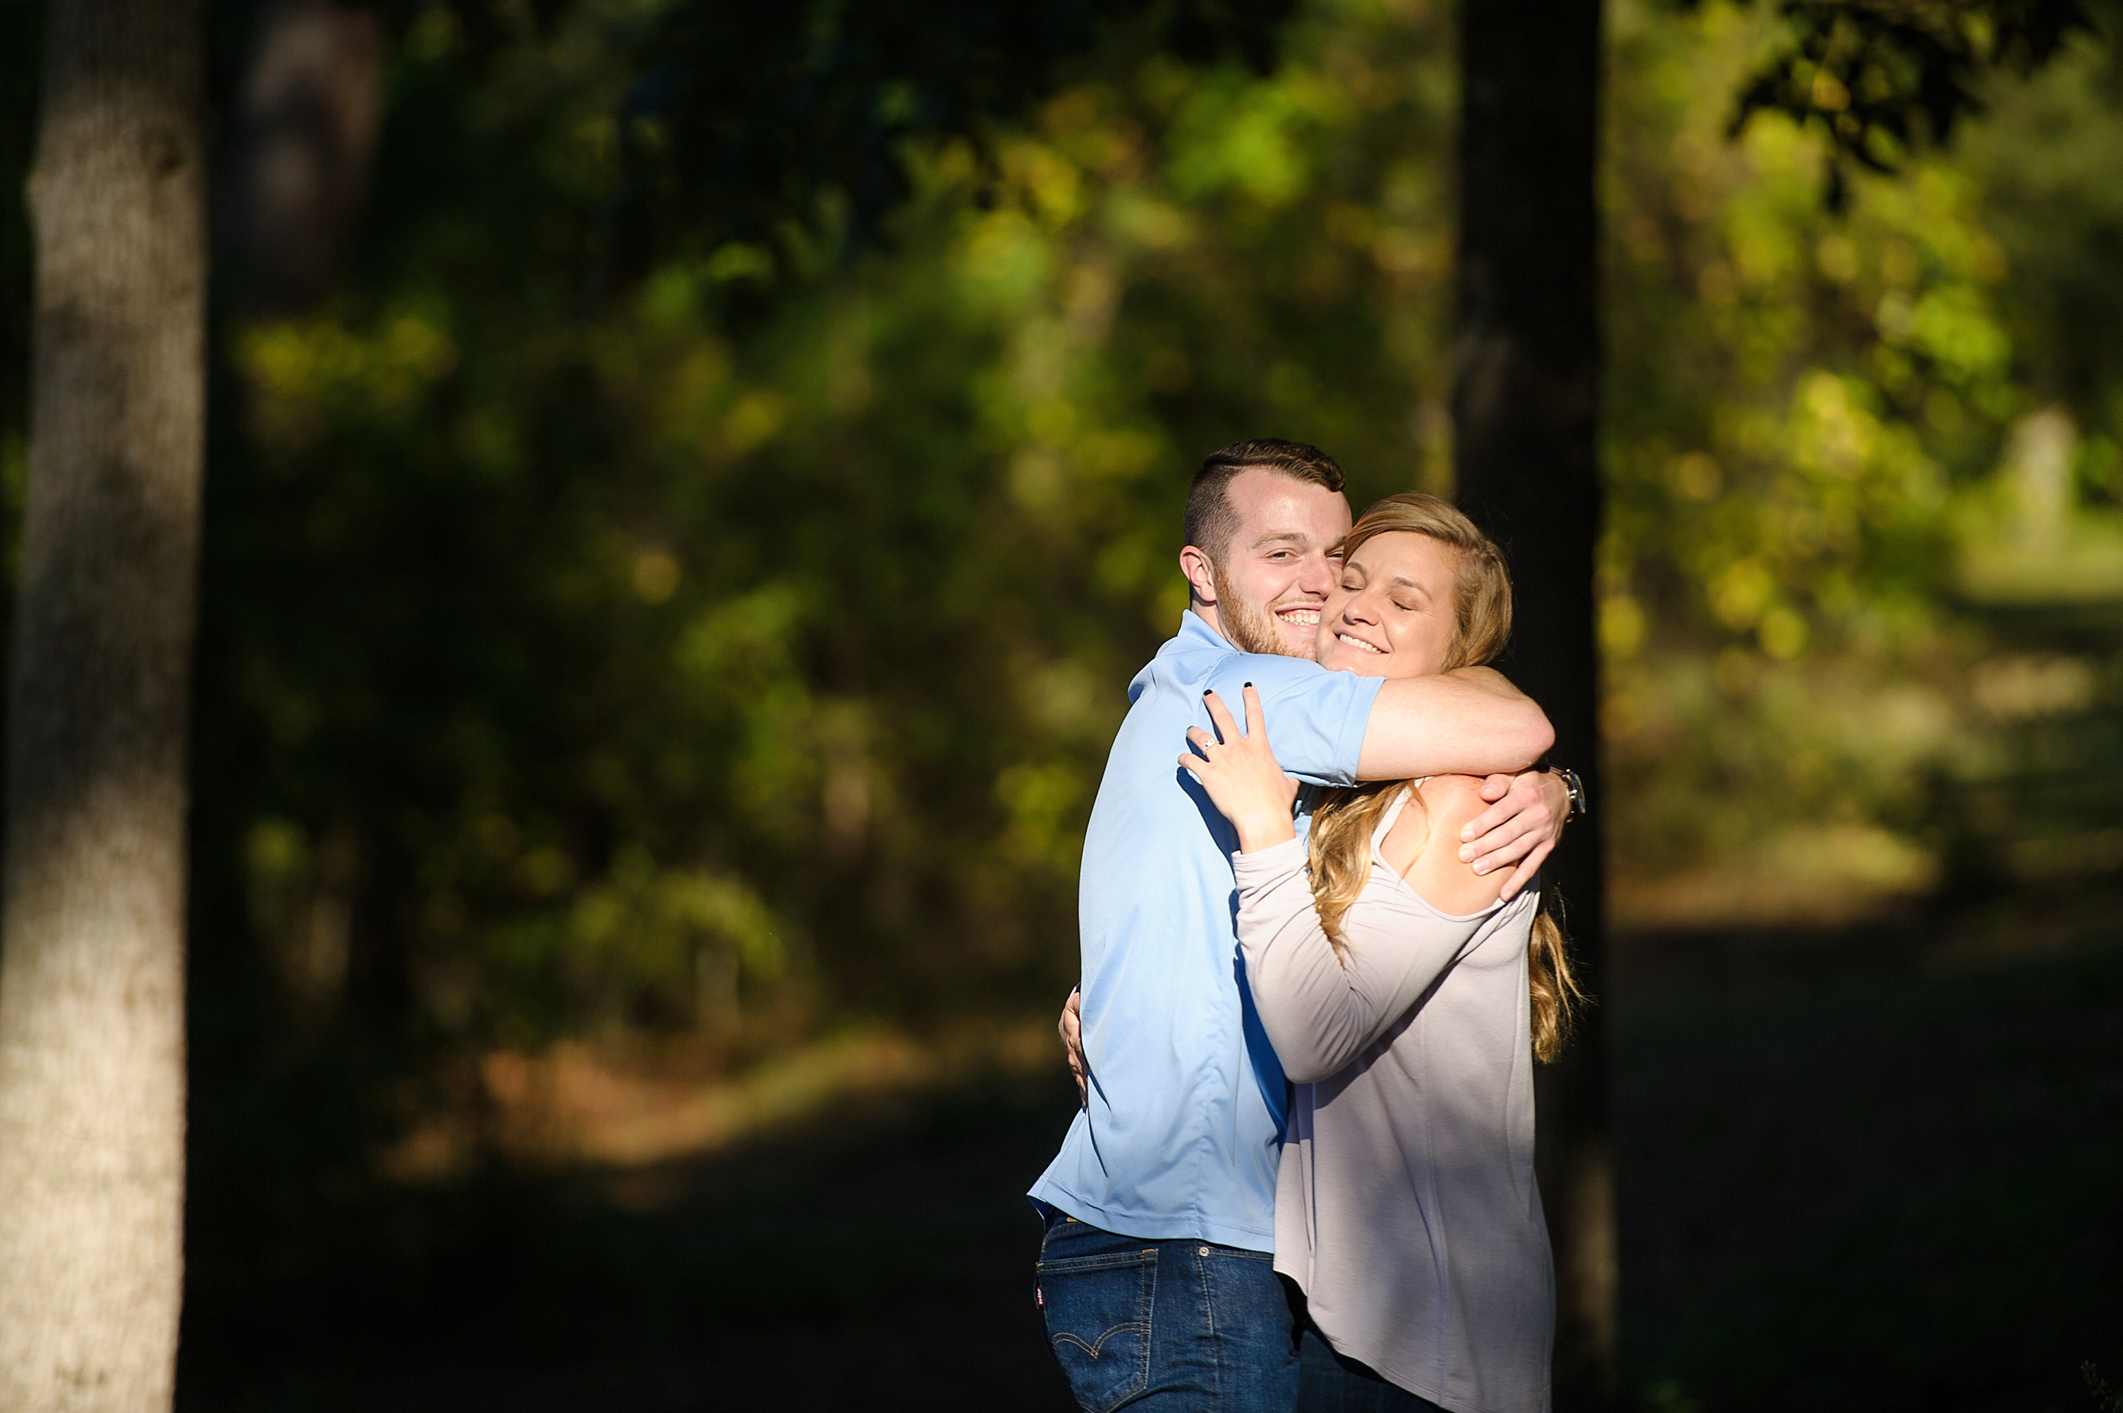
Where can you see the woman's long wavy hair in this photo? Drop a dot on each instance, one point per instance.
(1343, 825)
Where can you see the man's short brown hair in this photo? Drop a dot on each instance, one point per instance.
(1211, 522)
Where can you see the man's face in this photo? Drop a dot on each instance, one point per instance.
(1280, 565)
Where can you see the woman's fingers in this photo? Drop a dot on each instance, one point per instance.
(1256, 723)
(1201, 738)
(1226, 724)
(1072, 1038)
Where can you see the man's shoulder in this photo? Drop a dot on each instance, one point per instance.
(1197, 659)
(1192, 644)
(1183, 676)
(1270, 670)
(1287, 680)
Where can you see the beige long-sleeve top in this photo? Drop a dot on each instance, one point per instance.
(1405, 1206)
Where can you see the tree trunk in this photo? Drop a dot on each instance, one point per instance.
(92, 932)
(1525, 409)
(299, 151)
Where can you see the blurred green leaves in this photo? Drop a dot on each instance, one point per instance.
(632, 599)
(740, 641)
(1813, 420)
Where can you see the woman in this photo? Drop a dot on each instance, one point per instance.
(1407, 1006)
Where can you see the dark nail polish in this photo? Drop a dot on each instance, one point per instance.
(1248, 685)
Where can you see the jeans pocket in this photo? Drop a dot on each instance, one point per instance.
(1098, 1320)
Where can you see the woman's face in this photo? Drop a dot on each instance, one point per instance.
(1391, 615)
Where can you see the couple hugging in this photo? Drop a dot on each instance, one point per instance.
(1306, 1044)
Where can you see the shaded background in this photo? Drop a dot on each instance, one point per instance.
(666, 604)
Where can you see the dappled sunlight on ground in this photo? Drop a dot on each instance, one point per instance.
(576, 1105)
(1819, 876)
(857, 1239)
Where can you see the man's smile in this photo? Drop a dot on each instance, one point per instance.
(1300, 615)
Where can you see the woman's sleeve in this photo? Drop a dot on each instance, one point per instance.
(1318, 1013)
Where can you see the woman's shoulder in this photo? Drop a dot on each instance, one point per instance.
(1437, 875)
(1453, 794)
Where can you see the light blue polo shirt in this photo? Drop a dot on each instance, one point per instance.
(1183, 1128)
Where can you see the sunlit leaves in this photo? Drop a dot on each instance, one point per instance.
(1802, 396)
(771, 598)
(1883, 78)
(307, 373)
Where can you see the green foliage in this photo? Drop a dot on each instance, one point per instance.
(627, 641)
(740, 122)
(774, 133)
(1880, 80)
(674, 586)
(627, 592)
(2105, 1398)
(1807, 418)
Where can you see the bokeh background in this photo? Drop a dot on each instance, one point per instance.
(656, 663)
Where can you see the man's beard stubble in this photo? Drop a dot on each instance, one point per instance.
(1251, 628)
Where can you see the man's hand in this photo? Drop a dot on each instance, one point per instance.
(1072, 1039)
(1522, 826)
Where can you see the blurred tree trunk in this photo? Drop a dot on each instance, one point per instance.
(1525, 410)
(92, 1054)
(298, 152)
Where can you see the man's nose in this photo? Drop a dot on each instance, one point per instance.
(1317, 576)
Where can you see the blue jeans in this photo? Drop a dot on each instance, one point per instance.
(1331, 1383)
(1166, 1326)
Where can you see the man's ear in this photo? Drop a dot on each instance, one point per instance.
(1195, 565)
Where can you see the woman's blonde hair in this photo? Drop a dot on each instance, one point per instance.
(1343, 824)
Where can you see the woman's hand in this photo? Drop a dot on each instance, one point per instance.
(1241, 775)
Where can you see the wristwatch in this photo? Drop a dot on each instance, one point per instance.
(1579, 804)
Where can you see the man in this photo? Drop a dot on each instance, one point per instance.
(1155, 1277)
